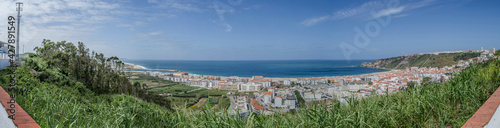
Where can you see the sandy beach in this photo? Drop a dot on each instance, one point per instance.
(129, 66)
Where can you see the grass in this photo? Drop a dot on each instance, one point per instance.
(224, 103)
(150, 81)
(438, 105)
(174, 89)
(325, 102)
(205, 93)
(182, 102)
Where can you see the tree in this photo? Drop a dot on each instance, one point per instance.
(370, 83)
(100, 74)
(410, 85)
(426, 81)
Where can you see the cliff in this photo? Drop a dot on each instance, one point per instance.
(420, 60)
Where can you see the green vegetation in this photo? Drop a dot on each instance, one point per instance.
(143, 78)
(428, 60)
(174, 89)
(65, 64)
(54, 97)
(179, 103)
(426, 81)
(224, 103)
(301, 100)
(191, 98)
(411, 84)
(204, 93)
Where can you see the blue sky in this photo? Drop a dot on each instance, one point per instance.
(260, 30)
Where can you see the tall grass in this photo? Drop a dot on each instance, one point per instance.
(437, 105)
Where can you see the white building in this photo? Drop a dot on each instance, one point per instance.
(309, 96)
(264, 82)
(257, 77)
(248, 87)
(198, 83)
(290, 102)
(268, 97)
(278, 102)
(287, 82)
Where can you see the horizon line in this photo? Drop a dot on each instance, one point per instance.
(251, 59)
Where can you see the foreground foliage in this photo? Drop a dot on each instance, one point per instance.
(58, 100)
(64, 63)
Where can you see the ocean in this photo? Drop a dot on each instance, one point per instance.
(266, 68)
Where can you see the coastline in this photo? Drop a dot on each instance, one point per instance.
(131, 67)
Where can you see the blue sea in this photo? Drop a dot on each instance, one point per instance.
(266, 68)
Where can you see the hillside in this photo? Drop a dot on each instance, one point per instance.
(420, 60)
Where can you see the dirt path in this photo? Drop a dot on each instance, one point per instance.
(214, 107)
(201, 102)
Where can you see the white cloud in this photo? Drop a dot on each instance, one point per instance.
(345, 13)
(314, 21)
(401, 15)
(389, 11)
(365, 9)
(228, 27)
(179, 5)
(71, 20)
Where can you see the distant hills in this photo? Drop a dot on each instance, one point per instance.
(421, 60)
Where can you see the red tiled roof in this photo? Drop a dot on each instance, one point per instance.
(255, 104)
(268, 93)
(279, 96)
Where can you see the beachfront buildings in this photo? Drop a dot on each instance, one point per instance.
(263, 82)
(257, 77)
(311, 81)
(250, 87)
(228, 86)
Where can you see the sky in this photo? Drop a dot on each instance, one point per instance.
(259, 29)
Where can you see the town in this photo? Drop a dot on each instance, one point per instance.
(269, 95)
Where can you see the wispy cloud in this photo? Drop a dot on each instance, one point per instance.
(314, 21)
(389, 11)
(364, 10)
(252, 7)
(228, 27)
(74, 20)
(179, 5)
(345, 13)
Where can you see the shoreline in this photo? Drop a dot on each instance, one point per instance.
(136, 67)
(131, 66)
